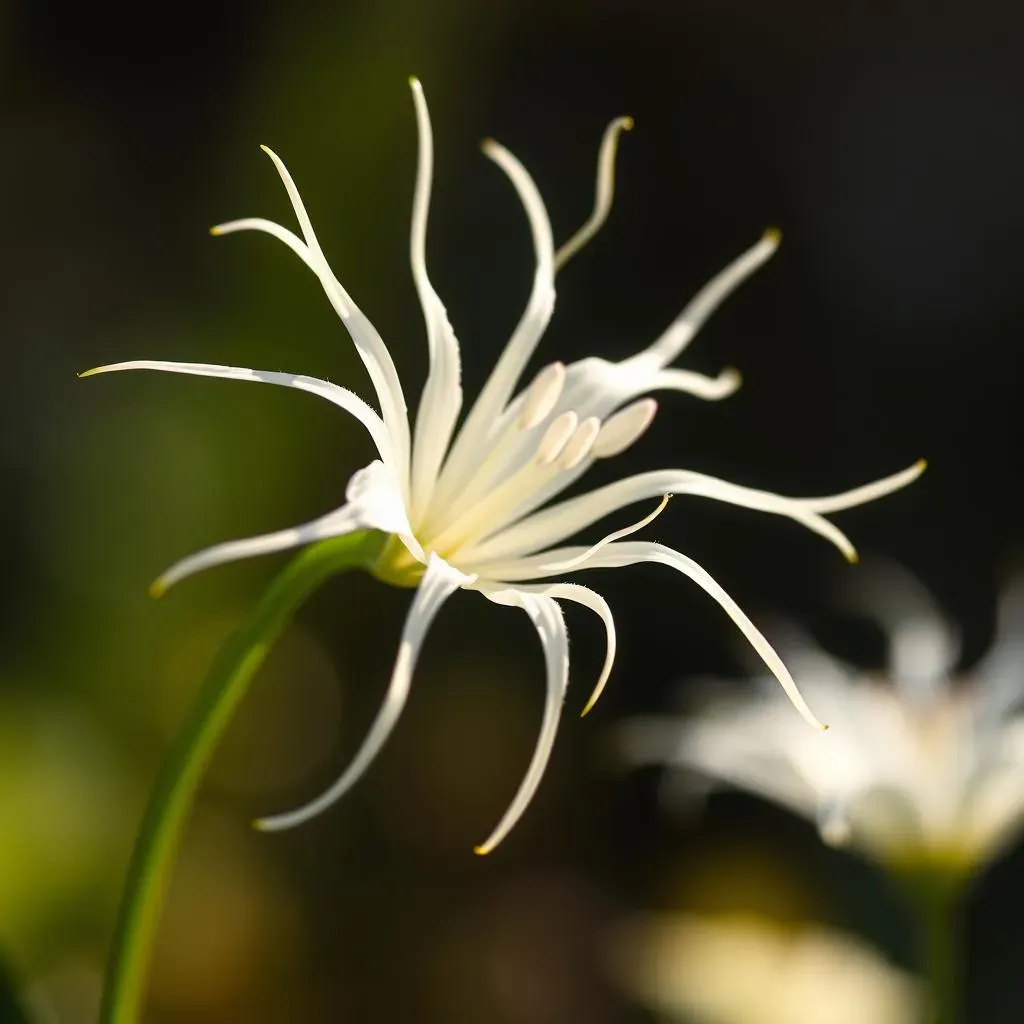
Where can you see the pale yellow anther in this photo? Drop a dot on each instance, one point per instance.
(624, 428)
(556, 437)
(542, 395)
(578, 446)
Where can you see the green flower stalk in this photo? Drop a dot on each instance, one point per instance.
(173, 794)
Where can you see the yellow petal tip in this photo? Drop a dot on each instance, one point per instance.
(259, 825)
(266, 149)
(481, 851)
(215, 230)
(414, 82)
(921, 465)
(88, 373)
(852, 557)
(772, 235)
(157, 588)
(627, 123)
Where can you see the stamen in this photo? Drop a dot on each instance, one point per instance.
(556, 437)
(604, 192)
(542, 395)
(614, 535)
(580, 444)
(624, 428)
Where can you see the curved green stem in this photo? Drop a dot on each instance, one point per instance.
(174, 790)
(936, 894)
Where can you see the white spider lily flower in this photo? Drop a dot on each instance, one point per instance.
(920, 767)
(462, 508)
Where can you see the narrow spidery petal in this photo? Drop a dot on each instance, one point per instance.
(374, 503)
(710, 389)
(339, 396)
(439, 582)
(624, 429)
(441, 398)
(556, 437)
(599, 606)
(288, 238)
(632, 552)
(368, 342)
(542, 395)
(869, 492)
(558, 522)
(469, 447)
(679, 333)
(604, 191)
(578, 446)
(626, 531)
(549, 622)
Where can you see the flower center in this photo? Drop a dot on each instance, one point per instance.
(514, 474)
(520, 472)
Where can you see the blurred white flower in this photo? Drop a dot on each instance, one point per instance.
(918, 767)
(746, 970)
(462, 509)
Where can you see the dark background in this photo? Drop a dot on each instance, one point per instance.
(885, 140)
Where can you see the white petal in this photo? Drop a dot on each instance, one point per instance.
(923, 645)
(341, 397)
(568, 518)
(709, 298)
(442, 394)
(372, 350)
(632, 552)
(599, 606)
(711, 389)
(604, 191)
(1000, 673)
(550, 624)
(439, 582)
(869, 492)
(482, 423)
(374, 503)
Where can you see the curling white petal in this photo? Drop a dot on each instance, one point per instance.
(372, 350)
(374, 503)
(275, 230)
(866, 493)
(552, 525)
(711, 389)
(483, 422)
(439, 582)
(597, 387)
(549, 622)
(599, 606)
(442, 394)
(604, 191)
(632, 552)
(339, 396)
(679, 333)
